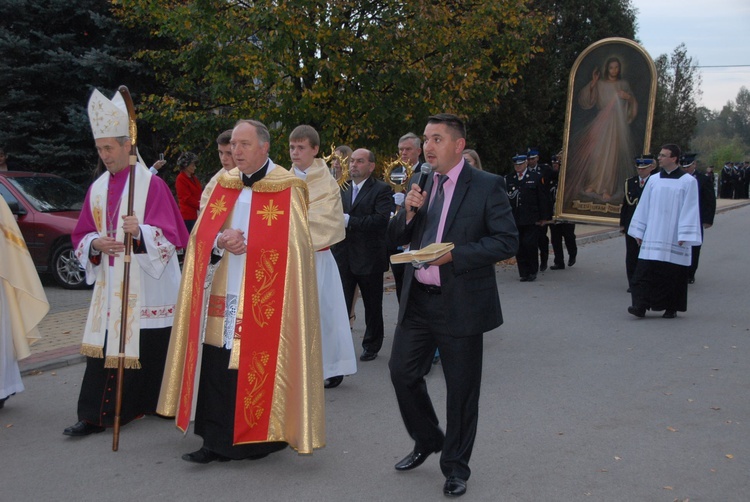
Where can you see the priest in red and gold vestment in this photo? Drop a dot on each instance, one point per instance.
(245, 355)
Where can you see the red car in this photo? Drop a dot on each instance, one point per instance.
(47, 208)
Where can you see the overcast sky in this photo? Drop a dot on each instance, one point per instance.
(715, 32)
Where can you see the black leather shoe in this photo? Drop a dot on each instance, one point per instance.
(691, 280)
(557, 267)
(525, 278)
(367, 355)
(531, 278)
(203, 456)
(543, 267)
(332, 382)
(669, 314)
(82, 429)
(571, 261)
(413, 460)
(637, 311)
(454, 487)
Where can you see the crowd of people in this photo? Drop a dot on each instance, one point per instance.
(734, 181)
(532, 189)
(243, 340)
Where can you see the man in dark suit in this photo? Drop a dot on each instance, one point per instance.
(726, 181)
(362, 257)
(409, 150)
(707, 203)
(744, 180)
(531, 209)
(560, 230)
(737, 180)
(452, 301)
(633, 190)
(532, 156)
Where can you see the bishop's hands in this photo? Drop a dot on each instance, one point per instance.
(130, 226)
(111, 246)
(232, 240)
(108, 245)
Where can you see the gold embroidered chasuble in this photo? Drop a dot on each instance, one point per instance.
(280, 391)
(27, 302)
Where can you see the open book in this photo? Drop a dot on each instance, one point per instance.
(424, 255)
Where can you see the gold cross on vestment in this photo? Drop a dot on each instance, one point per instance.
(218, 207)
(270, 212)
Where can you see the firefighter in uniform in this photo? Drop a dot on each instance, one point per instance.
(531, 210)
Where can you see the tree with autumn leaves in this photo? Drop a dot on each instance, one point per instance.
(675, 116)
(360, 72)
(533, 113)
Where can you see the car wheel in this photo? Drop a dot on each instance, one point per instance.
(66, 269)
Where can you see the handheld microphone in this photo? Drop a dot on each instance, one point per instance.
(423, 177)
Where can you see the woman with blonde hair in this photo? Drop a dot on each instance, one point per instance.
(472, 157)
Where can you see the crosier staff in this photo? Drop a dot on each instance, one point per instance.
(132, 160)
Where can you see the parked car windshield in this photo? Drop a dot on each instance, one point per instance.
(49, 193)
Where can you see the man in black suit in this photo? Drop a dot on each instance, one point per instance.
(745, 180)
(542, 170)
(726, 181)
(362, 257)
(531, 209)
(409, 150)
(452, 301)
(707, 203)
(737, 180)
(560, 230)
(633, 190)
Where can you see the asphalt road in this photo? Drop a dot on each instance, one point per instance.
(580, 401)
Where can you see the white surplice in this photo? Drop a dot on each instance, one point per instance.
(667, 213)
(326, 212)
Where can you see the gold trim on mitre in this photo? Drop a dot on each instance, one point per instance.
(108, 119)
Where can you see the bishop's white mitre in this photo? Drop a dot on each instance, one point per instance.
(109, 118)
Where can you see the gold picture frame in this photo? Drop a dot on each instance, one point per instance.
(608, 120)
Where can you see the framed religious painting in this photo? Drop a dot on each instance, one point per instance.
(610, 108)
